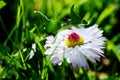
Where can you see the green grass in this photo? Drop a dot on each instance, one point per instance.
(33, 20)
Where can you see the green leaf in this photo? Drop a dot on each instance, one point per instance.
(53, 26)
(2, 4)
(75, 19)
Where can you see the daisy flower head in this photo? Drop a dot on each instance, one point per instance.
(76, 45)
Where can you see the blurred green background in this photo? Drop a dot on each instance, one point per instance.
(27, 22)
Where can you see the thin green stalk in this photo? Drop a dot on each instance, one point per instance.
(22, 8)
(3, 26)
(9, 36)
(23, 18)
(18, 17)
(37, 40)
(23, 61)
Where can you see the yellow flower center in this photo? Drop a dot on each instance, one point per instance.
(74, 39)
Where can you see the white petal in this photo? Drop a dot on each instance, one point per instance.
(24, 49)
(77, 59)
(31, 54)
(34, 47)
(80, 31)
(49, 51)
(90, 55)
(94, 49)
(63, 34)
(49, 41)
(56, 59)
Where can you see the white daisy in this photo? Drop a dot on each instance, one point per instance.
(76, 45)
